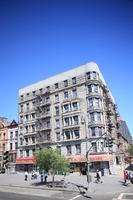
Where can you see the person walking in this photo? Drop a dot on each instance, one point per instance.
(97, 176)
(125, 177)
(26, 175)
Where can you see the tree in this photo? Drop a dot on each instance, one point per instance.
(130, 150)
(50, 159)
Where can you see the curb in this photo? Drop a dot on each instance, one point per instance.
(30, 187)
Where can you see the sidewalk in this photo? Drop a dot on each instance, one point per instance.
(110, 182)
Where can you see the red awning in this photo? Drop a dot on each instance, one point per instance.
(101, 157)
(31, 160)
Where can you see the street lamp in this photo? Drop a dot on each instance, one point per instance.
(87, 152)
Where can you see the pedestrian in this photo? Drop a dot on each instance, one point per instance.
(125, 177)
(26, 175)
(97, 176)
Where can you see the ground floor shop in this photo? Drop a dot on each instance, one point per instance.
(25, 164)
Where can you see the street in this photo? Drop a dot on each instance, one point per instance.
(13, 186)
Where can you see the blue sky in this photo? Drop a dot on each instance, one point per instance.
(41, 38)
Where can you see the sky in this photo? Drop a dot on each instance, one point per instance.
(41, 38)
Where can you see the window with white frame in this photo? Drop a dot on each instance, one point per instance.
(57, 110)
(93, 132)
(66, 107)
(96, 88)
(74, 92)
(57, 136)
(75, 106)
(57, 121)
(75, 120)
(98, 116)
(89, 88)
(90, 102)
(56, 98)
(76, 133)
(97, 102)
(65, 83)
(78, 149)
(69, 151)
(92, 119)
(74, 80)
(94, 75)
(56, 86)
(100, 131)
(66, 95)
(21, 153)
(67, 134)
(67, 123)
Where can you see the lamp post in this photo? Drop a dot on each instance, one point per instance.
(87, 153)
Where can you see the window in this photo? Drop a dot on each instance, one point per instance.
(89, 88)
(100, 131)
(40, 90)
(75, 120)
(92, 117)
(33, 116)
(22, 97)
(16, 145)
(11, 135)
(57, 110)
(94, 75)
(40, 126)
(75, 106)
(90, 102)
(28, 95)
(47, 110)
(21, 141)
(96, 88)
(16, 134)
(56, 86)
(48, 124)
(74, 92)
(48, 136)
(48, 88)
(27, 152)
(10, 146)
(65, 83)
(27, 106)
(57, 136)
(21, 129)
(21, 153)
(33, 93)
(68, 149)
(98, 116)
(40, 113)
(102, 146)
(67, 133)
(57, 122)
(93, 131)
(94, 147)
(3, 147)
(88, 75)
(78, 149)
(47, 99)
(33, 104)
(67, 121)
(33, 140)
(97, 102)
(56, 98)
(26, 117)
(66, 107)
(65, 95)
(74, 80)
(33, 127)
(26, 129)
(76, 132)
(21, 108)
(21, 119)
(26, 141)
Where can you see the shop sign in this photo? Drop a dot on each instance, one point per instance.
(31, 160)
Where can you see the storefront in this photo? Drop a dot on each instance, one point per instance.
(25, 164)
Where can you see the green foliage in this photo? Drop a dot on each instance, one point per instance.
(130, 150)
(50, 159)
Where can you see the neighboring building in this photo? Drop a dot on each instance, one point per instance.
(3, 138)
(12, 145)
(73, 111)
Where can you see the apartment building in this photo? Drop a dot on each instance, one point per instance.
(3, 138)
(74, 112)
(12, 146)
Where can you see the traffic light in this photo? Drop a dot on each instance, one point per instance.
(5, 157)
(110, 141)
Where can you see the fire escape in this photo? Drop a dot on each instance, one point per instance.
(43, 116)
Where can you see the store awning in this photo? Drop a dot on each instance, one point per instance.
(77, 159)
(31, 160)
(100, 158)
